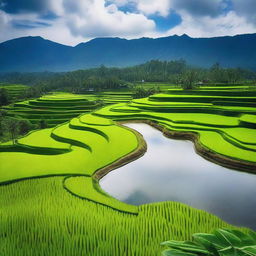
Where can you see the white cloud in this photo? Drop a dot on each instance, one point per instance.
(94, 19)
(229, 24)
(3, 19)
(160, 7)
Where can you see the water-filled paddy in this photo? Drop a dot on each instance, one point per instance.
(171, 170)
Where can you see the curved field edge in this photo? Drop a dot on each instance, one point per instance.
(76, 158)
(79, 154)
(127, 157)
(62, 224)
(89, 188)
(200, 149)
(236, 151)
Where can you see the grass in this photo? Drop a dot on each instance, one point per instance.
(48, 220)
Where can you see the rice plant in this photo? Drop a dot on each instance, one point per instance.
(38, 217)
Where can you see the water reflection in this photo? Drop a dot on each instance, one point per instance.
(172, 171)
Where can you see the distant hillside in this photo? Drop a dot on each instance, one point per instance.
(29, 54)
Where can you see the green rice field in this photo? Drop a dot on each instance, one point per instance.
(53, 108)
(50, 199)
(14, 90)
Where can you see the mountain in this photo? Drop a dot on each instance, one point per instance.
(30, 54)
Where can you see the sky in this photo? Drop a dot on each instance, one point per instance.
(74, 21)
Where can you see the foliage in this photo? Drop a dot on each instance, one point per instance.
(141, 92)
(189, 78)
(104, 78)
(4, 97)
(42, 124)
(11, 127)
(223, 242)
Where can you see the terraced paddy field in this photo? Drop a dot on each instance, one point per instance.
(50, 199)
(115, 97)
(14, 90)
(221, 123)
(57, 108)
(54, 108)
(162, 86)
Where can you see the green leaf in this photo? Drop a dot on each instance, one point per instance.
(245, 239)
(252, 235)
(249, 250)
(230, 251)
(208, 238)
(185, 246)
(227, 238)
(209, 242)
(177, 253)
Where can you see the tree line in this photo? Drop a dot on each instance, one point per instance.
(104, 78)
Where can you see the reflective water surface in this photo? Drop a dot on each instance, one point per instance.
(172, 171)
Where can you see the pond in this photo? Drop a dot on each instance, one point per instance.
(170, 170)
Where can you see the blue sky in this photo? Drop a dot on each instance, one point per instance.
(73, 21)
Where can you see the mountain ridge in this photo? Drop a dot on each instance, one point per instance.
(35, 54)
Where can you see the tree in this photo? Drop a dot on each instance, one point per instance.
(189, 78)
(234, 75)
(42, 124)
(11, 125)
(141, 92)
(4, 97)
(2, 116)
(24, 126)
(217, 74)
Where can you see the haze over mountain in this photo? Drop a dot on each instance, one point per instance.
(32, 54)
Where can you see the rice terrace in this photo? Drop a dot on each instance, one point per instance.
(113, 146)
(53, 173)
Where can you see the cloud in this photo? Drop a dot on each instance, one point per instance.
(40, 7)
(28, 24)
(229, 24)
(199, 8)
(149, 7)
(246, 9)
(3, 19)
(70, 22)
(18, 6)
(94, 19)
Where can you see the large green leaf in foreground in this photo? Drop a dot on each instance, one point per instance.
(223, 242)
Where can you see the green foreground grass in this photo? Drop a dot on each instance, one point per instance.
(38, 217)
